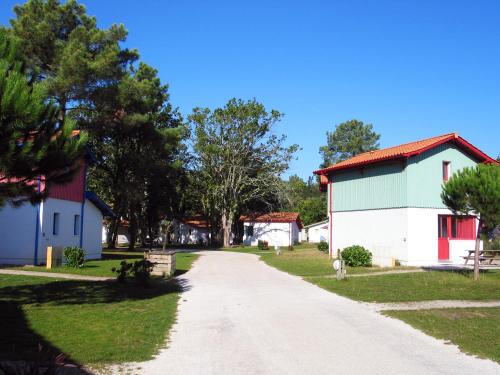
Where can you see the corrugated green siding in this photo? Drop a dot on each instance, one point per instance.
(425, 174)
(381, 186)
(391, 185)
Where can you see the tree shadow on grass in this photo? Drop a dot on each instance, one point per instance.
(19, 342)
(86, 292)
(23, 351)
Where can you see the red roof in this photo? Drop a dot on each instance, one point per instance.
(195, 221)
(406, 150)
(273, 217)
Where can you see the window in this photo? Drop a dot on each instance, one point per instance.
(249, 230)
(55, 224)
(446, 170)
(457, 227)
(76, 225)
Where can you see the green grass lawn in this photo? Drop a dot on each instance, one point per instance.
(474, 330)
(91, 322)
(110, 259)
(305, 260)
(423, 286)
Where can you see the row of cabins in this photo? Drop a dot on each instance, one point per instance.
(386, 200)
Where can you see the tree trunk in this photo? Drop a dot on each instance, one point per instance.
(227, 223)
(476, 253)
(132, 230)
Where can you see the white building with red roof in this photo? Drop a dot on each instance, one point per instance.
(389, 201)
(276, 228)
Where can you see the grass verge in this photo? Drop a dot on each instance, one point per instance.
(472, 329)
(92, 323)
(110, 259)
(423, 286)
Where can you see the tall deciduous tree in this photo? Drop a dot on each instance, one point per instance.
(347, 140)
(240, 159)
(475, 191)
(34, 142)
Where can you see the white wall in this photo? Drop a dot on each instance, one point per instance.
(423, 234)
(409, 235)
(276, 234)
(189, 235)
(383, 232)
(317, 233)
(17, 234)
(66, 237)
(92, 231)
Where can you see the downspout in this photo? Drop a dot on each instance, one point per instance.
(82, 210)
(37, 230)
(330, 208)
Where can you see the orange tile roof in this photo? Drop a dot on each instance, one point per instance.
(195, 221)
(273, 217)
(406, 150)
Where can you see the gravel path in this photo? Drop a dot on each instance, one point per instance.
(437, 304)
(55, 275)
(240, 316)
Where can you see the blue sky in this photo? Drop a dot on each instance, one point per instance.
(414, 69)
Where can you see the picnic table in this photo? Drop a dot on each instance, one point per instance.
(484, 256)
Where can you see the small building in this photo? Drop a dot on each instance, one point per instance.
(315, 233)
(191, 230)
(122, 234)
(389, 201)
(69, 216)
(277, 228)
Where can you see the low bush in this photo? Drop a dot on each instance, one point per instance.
(357, 256)
(290, 248)
(140, 271)
(263, 245)
(323, 246)
(75, 256)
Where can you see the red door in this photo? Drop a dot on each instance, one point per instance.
(444, 237)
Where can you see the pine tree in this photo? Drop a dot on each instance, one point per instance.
(475, 191)
(34, 143)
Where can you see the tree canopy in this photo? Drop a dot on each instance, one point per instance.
(475, 191)
(240, 160)
(349, 139)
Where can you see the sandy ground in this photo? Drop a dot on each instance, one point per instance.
(240, 316)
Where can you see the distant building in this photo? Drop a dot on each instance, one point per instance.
(315, 233)
(389, 201)
(191, 230)
(277, 228)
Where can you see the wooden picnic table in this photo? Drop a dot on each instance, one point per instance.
(484, 256)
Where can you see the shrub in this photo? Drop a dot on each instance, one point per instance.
(75, 256)
(357, 256)
(323, 246)
(263, 245)
(122, 271)
(140, 271)
(290, 248)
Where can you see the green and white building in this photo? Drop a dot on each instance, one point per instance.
(389, 202)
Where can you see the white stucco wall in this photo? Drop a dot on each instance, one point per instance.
(317, 233)
(383, 232)
(276, 234)
(66, 236)
(189, 235)
(17, 234)
(409, 235)
(423, 235)
(92, 230)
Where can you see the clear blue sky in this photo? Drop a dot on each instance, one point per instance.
(414, 69)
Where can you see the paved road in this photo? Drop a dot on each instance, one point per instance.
(241, 316)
